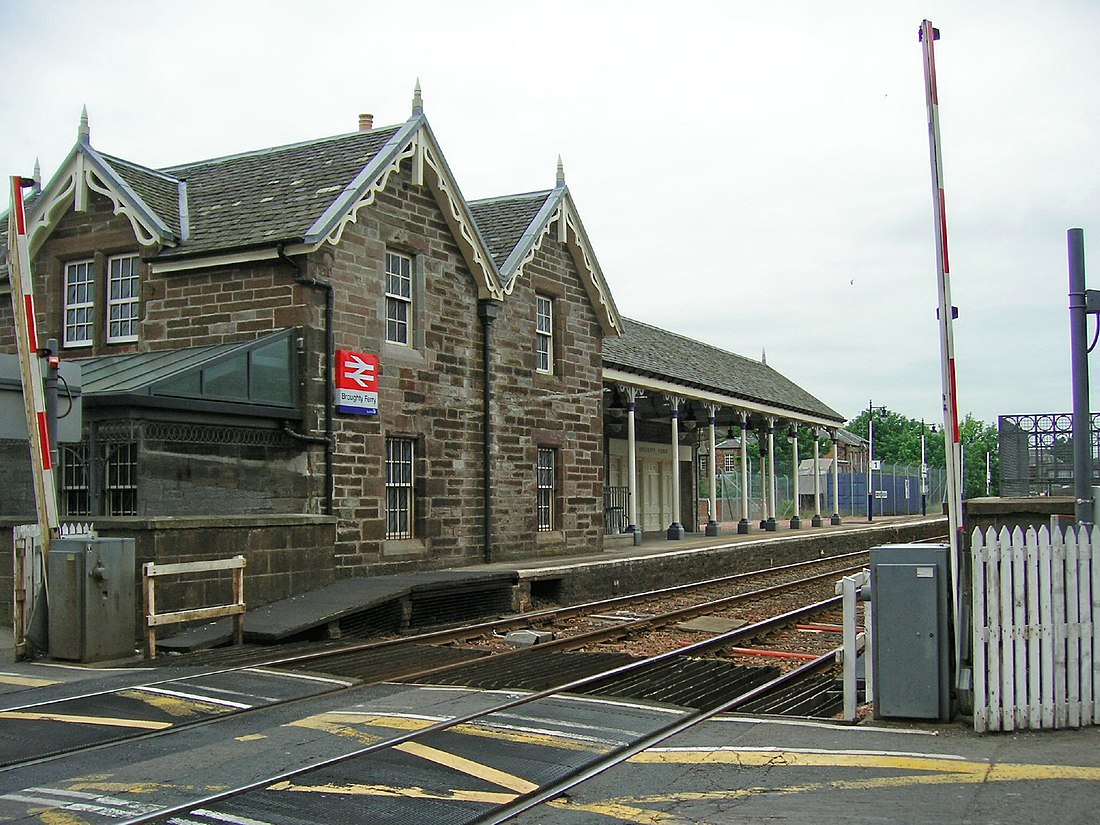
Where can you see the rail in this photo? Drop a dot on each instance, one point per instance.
(153, 620)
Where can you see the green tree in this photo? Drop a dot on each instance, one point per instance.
(979, 439)
(897, 441)
(897, 438)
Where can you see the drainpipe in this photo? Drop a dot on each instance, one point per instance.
(487, 312)
(328, 439)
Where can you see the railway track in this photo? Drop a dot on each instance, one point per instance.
(262, 800)
(777, 656)
(589, 638)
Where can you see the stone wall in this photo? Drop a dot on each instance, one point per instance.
(285, 555)
(638, 573)
(562, 410)
(1024, 512)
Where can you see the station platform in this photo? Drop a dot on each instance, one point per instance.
(422, 600)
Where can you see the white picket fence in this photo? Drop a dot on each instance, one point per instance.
(1036, 612)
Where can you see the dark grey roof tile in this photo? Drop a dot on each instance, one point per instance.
(159, 191)
(503, 221)
(271, 195)
(655, 352)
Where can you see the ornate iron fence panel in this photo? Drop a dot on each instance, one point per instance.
(1036, 453)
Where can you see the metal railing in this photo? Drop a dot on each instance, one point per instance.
(1035, 453)
(616, 506)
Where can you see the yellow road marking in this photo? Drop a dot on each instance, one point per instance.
(329, 723)
(468, 766)
(335, 719)
(984, 771)
(339, 724)
(622, 812)
(58, 817)
(175, 705)
(615, 810)
(105, 721)
(101, 785)
(25, 681)
(409, 793)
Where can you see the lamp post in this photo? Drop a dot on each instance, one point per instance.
(871, 410)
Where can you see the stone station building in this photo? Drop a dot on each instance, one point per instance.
(231, 318)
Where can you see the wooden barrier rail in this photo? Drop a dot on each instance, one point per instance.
(153, 620)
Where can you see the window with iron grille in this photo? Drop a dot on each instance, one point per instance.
(547, 471)
(544, 334)
(75, 493)
(398, 297)
(399, 488)
(120, 487)
(79, 303)
(123, 295)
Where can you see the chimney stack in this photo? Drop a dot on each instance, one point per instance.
(366, 123)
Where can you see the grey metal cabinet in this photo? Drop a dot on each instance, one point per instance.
(92, 608)
(911, 639)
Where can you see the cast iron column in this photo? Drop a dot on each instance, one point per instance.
(743, 524)
(632, 463)
(771, 526)
(712, 467)
(835, 520)
(816, 520)
(676, 529)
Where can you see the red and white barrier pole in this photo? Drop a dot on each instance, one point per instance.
(26, 335)
(946, 312)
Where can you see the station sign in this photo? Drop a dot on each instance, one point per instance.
(356, 382)
(881, 494)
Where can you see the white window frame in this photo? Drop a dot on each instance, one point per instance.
(544, 334)
(400, 478)
(123, 309)
(75, 309)
(730, 462)
(399, 298)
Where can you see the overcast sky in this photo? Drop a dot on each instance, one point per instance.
(753, 175)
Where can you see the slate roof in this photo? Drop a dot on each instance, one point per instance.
(272, 195)
(159, 191)
(503, 221)
(655, 352)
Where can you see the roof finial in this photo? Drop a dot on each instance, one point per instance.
(418, 101)
(37, 177)
(763, 356)
(561, 172)
(84, 134)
